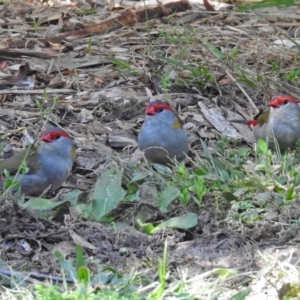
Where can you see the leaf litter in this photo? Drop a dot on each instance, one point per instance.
(93, 85)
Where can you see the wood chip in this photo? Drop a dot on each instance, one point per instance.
(219, 122)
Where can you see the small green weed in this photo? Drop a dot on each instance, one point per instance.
(124, 66)
(293, 76)
(36, 24)
(162, 274)
(166, 83)
(267, 3)
(5, 2)
(113, 285)
(89, 48)
(275, 67)
(86, 12)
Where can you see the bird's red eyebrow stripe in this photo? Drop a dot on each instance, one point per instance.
(164, 105)
(280, 99)
(156, 106)
(54, 133)
(62, 133)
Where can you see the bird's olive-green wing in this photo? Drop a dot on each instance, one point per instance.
(262, 117)
(13, 163)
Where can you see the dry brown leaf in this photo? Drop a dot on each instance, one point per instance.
(21, 75)
(78, 240)
(208, 6)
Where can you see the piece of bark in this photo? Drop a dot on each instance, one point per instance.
(219, 122)
(21, 75)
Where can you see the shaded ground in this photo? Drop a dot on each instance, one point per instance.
(215, 243)
(102, 104)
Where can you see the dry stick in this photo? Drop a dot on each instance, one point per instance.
(39, 92)
(18, 54)
(46, 190)
(149, 95)
(50, 67)
(219, 90)
(27, 276)
(74, 187)
(243, 91)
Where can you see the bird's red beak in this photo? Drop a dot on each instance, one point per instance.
(150, 111)
(47, 138)
(274, 103)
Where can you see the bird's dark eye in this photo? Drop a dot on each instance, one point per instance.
(57, 136)
(160, 109)
(285, 101)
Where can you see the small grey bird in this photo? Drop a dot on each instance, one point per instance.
(162, 137)
(281, 121)
(49, 163)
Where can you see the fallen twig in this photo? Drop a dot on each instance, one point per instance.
(27, 276)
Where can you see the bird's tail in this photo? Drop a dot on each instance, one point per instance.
(246, 122)
(239, 121)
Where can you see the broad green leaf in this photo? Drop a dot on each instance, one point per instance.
(137, 176)
(262, 146)
(66, 265)
(243, 151)
(72, 197)
(110, 276)
(162, 169)
(148, 228)
(80, 262)
(290, 195)
(84, 275)
(6, 173)
(219, 165)
(186, 221)
(224, 175)
(107, 193)
(207, 153)
(242, 294)
(169, 194)
(11, 184)
(225, 273)
(42, 204)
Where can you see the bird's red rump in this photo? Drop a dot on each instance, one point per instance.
(157, 106)
(50, 136)
(252, 122)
